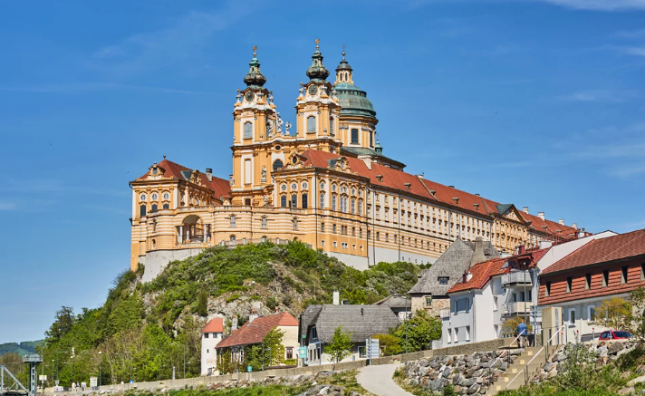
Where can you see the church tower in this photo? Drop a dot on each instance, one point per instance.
(317, 108)
(255, 123)
(358, 120)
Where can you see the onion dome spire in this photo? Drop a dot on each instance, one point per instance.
(254, 78)
(317, 72)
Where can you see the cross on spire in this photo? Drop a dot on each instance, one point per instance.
(255, 48)
(343, 51)
(317, 44)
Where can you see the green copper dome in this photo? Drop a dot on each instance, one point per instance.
(353, 101)
(254, 78)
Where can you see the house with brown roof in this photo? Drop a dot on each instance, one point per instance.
(254, 331)
(599, 270)
(211, 336)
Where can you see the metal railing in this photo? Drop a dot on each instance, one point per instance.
(525, 370)
(501, 355)
(521, 277)
(517, 307)
(444, 313)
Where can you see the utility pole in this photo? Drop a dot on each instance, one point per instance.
(406, 323)
(100, 360)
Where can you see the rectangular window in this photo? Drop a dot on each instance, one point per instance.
(569, 284)
(378, 236)
(205, 335)
(495, 302)
(605, 278)
(547, 291)
(333, 228)
(587, 281)
(428, 301)
(322, 227)
(333, 202)
(467, 333)
(572, 317)
(322, 243)
(360, 233)
(625, 274)
(443, 280)
(643, 271)
(354, 136)
(322, 201)
(591, 313)
(449, 336)
(247, 171)
(353, 231)
(362, 353)
(289, 351)
(335, 244)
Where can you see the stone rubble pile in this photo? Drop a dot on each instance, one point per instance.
(468, 374)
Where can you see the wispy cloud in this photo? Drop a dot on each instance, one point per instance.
(8, 206)
(599, 96)
(181, 42)
(600, 5)
(82, 87)
(631, 33)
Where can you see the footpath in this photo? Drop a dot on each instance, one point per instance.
(378, 380)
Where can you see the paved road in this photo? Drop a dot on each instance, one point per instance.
(378, 380)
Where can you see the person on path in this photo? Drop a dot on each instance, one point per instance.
(522, 331)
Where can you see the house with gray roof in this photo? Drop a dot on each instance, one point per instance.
(400, 305)
(430, 293)
(318, 322)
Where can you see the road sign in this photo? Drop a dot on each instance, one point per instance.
(94, 382)
(302, 352)
(42, 378)
(372, 349)
(249, 369)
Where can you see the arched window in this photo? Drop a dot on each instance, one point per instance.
(294, 201)
(311, 124)
(264, 222)
(154, 208)
(154, 244)
(277, 164)
(283, 201)
(233, 240)
(305, 199)
(322, 200)
(322, 185)
(354, 136)
(248, 130)
(232, 221)
(353, 206)
(166, 206)
(333, 202)
(142, 210)
(264, 238)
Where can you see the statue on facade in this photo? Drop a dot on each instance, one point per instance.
(264, 174)
(323, 90)
(269, 129)
(287, 127)
(270, 97)
(266, 200)
(278, 123)
(302, 89)
(231, 180)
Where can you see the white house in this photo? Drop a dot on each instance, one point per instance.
(211, 336)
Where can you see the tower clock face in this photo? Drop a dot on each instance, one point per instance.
(249, 96)
(313, 89)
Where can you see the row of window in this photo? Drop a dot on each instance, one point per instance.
(624, 278)
(458, 334)
(334, 187)
(155, 197)
(153, 208)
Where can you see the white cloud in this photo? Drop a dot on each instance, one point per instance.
(638, 51)
(598, 96)
(600, 5)
(179, 42)
(8, 206)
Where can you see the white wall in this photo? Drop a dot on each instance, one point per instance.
(558, 252)
(456, 323)
(209, 353)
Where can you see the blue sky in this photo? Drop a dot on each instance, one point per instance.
(536, 103)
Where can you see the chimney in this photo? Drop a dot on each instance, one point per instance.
(336, 298)
(477, 195)
(575, 225)
(234, 323)
(467, 276)
(582, 233)
(541, 215)
(451, 186)
(525, 209)
(561, 221)
(209, 174)
(254, 315)
(479, 255)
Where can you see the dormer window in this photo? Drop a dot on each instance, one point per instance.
(155, 171)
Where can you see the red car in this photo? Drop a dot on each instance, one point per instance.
(615, 335)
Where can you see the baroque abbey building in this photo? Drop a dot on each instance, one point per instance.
(323, 181)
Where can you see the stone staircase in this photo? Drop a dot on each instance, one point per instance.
(515, 375)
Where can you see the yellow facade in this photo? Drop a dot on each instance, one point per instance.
(314, 181)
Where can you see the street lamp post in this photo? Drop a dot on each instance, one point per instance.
(72, 358)
(406, 323)
(100, 360)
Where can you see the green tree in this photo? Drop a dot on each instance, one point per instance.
(637, 313)
(340, 346)
(202, 303)
(257, 354)
(614, 313)
(62, 324)
(510, 325)
(422, 329)
(389, 344)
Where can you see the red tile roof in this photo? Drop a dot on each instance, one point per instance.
(551, 227)
(254, 332)
(215, 325)
(483, 272)
(602, 250)
(219, 186)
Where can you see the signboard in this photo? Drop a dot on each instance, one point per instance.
(94, 382)
(372, 349)
(42, 378)
(302, 352)
(249, 369)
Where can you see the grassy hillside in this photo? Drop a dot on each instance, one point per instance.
(143, 330)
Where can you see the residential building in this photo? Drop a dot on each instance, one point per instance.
(400, 306)
(211, 336)
(325, 182)
(318, 323)
(254, 331)
(601, 269)
(430, 293)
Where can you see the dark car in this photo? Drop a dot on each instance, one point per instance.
(615, 335)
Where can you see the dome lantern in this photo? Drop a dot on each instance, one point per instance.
(254, 78)
(317, 72)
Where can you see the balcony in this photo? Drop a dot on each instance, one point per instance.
(519, 307)
(444, 313)
(520, 278)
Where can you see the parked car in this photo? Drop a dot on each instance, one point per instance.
(615, 335)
